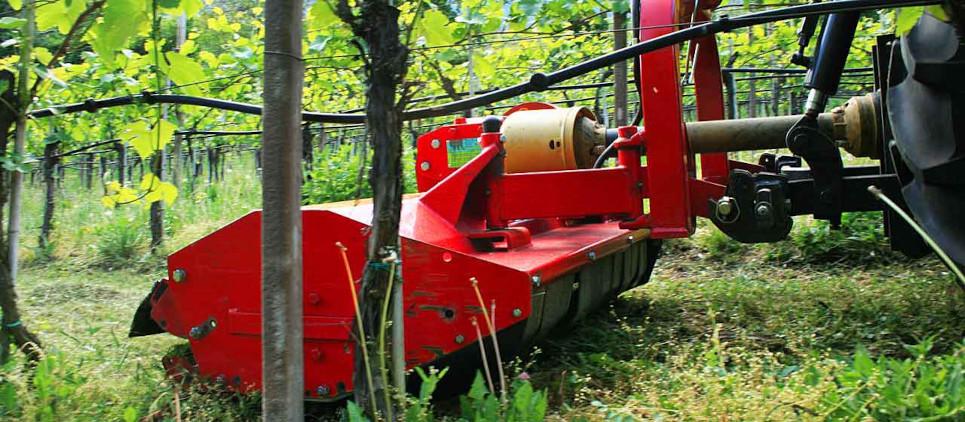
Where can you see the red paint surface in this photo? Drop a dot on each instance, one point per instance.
(537, 221)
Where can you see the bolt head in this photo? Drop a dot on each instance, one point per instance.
(424, 166)
(591, 255)
(435, 143)
(517, 312)
(460, 339)
(537, 280)
(195, 332)
(322, 390)
(725, 206)
(179, 275)
(763, 210)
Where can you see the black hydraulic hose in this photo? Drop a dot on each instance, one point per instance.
(538, 82)
(151, 98)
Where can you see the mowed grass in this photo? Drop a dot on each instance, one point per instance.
(722, 332)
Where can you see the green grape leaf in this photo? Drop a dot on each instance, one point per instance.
(145, 140)
(907, 18)
(621, 6)
(118, 195)
(482, 67)
(157, 190)
(122, 20)
(322, 15)
(529, 7)
(8, 22)
(432, 26)
(43, 55)
(183, 71)
(191, 7)
(60, 14)
(938, 12)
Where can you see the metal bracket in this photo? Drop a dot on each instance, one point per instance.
(824, 159)
(755, 208)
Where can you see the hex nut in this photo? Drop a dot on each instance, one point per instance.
(179, 275)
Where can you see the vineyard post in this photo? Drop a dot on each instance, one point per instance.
(775, 96)
(731, 94)
(322, 139)
(49, 166)
(89, 179)
(103, 168)
(121, 163)
(157, 207)
(13, 328)
(281, 229)
(308, 149)
(20, 140)
(182, 35)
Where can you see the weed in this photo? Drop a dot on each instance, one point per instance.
(120, 241)
(860, 240)
(335, 175)
(918, 387)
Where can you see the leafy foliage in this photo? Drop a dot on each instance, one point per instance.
(479, 405)
(335, 177)
(915, 388)
(120, 242)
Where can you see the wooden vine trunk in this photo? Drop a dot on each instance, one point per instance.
(378, 25)
(50, 165)
(157, 207)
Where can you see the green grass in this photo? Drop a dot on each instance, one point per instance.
(814, 327)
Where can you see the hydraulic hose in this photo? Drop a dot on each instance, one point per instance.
(538, 81)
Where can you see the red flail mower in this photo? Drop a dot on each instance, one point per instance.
(523, 204)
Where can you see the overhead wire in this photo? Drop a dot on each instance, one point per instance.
(538, 81)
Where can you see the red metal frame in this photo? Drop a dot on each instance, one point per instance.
(471, 221)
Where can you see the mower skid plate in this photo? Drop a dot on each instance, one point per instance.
(564, 272)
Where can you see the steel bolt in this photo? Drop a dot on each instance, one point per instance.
(435, 143)
(322, 390)
(537, 280)
(591, 256)
(202, 330)
(725, 206)
(179, 275)
(630, 239)
(763, 210)
(424, 166)
(460, 339)
(517, 312)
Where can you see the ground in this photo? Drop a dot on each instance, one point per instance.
(723, 331)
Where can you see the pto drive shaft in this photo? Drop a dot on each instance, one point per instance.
(853, 126)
